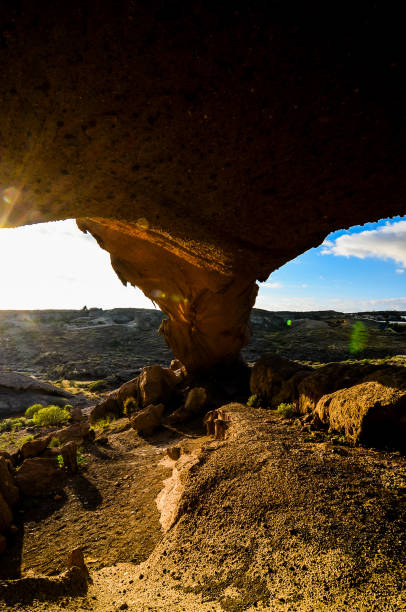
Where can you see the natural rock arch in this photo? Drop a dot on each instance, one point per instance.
(203, 146)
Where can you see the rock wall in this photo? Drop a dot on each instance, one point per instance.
(204, 147)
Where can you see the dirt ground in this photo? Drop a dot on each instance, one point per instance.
(273, 518)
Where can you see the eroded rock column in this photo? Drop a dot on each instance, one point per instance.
(208, 310)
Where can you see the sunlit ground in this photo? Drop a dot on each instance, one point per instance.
(55, 265)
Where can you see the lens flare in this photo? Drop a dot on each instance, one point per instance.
(10, 195)
(359, 337)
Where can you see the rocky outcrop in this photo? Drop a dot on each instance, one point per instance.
(370, 413)
(201, 165)
(328, 379)
(18, 392)
(9, 495)
(155, 385)
(38, 476)
(275, 380)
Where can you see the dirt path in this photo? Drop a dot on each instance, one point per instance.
(108, 509)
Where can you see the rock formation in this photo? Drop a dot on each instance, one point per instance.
(202, 146)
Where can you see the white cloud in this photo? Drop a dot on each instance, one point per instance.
(399, 270)
(386, 242)
(272, 285)
(299, 303)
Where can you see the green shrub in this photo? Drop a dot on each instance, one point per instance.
(130, 405)
(97, 385)
(59, 460)
(32, 410)
(81, 460)
(286, 410)
(51, 415)
(5, 425)
(102, 423)
(54, 442)
(26, 439)
(18, 423)
(254, 401)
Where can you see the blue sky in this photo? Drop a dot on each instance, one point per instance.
(54, 265)
(363, 268)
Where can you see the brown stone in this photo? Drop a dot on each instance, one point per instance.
(220, 428)
(38, 476)
(78, 432)
(208, 420)
(35, 447)
(196, 400)
(69, 456)
(370, 413)
(148, 419)
(7, 484)
(75, 559)
(174, 452)
(156, 385)
(328, 379)
(275, 379)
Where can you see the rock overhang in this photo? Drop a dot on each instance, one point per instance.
(203, 147)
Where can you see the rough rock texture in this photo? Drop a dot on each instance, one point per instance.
(275, 379)
(17, 392)
(35, 447)
(148, 420)
(370, 412)
(38, 476)
(330, 378)
(7, 486)
(206, 149)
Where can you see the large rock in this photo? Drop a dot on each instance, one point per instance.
(210, 162)
(78, 432)
(328, 379)
(38, 476)
(370, 413)
(275, 379)
(33, 448)
(148, 420)
(18, 391)
(154, 385)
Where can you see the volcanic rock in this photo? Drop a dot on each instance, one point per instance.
(275, 379)
(38, 476)
(148, 419)
(370, 413)
(35, 447)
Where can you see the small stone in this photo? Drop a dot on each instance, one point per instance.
(13, 529)
(58, 497)
(124, 606)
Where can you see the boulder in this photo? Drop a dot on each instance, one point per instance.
(148, 419)
(195, 402)
(38, 476)
(328, 379)
(370, 413)
(69, 456)
(78, 432)
(275, 379)
(7, 486)
(156, 385)
(35, 447)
